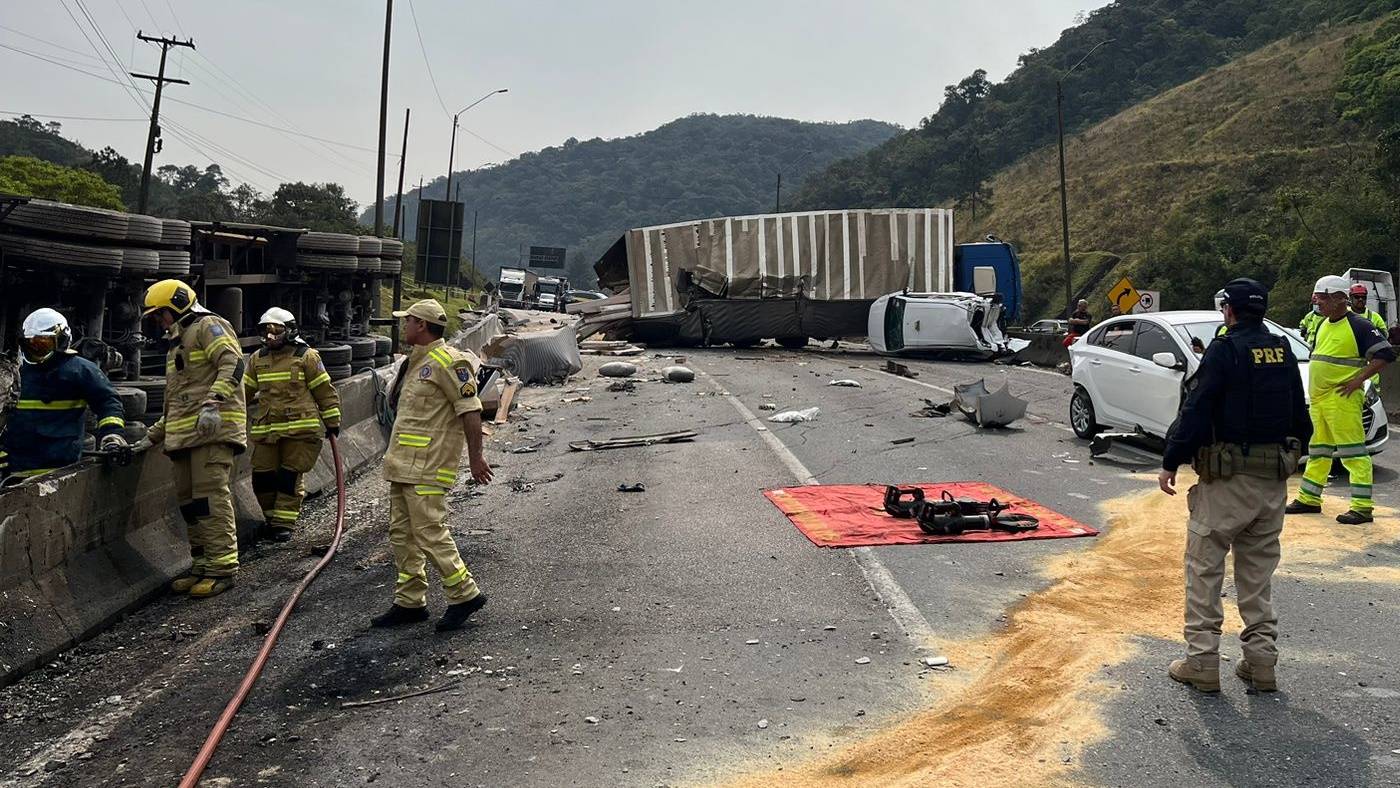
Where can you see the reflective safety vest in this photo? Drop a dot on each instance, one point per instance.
(46, 429)
(1376, 320)
(205, 362)
(1341, 349)
(436, 386)
(1308, 326)
(294, 394)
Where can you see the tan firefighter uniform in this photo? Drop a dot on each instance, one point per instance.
(205, 362)
(294, 399)
(436, 386)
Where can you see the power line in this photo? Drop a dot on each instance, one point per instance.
(424, 49)
(32, 37)
(71, 117)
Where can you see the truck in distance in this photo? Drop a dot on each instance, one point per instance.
(519, 288)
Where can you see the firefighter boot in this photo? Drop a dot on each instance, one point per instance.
(183, 583)
(400, 615)
(455, 617)
(1261, 676)
(210, 586)
(1191, 671)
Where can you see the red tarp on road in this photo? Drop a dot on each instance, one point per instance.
(853, 515)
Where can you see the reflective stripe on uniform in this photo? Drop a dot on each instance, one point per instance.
(1341, 362)
(330, 413)
(220, 561)
(223, 388)
(187, 423)
(111, 421)
(274, 377)
(280, 514)
(428, 489)
(441, 356)
(250, 382)
(324, 377)
(58, 404)
(415, 441)
(447, 476)
(456, 577)
(285, 426)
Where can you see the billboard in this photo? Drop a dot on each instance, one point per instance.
(547, 257)
(439, 242)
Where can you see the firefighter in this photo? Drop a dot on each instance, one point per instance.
(437, 411)
(56, 388)
(204, 427)
(1242, 426)
(1358, 305)
(1347, 350)
(1307, 326)
(296, 407)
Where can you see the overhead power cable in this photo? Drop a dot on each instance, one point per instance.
(424, 49)
(73, 117)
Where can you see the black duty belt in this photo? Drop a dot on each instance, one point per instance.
(950, 516)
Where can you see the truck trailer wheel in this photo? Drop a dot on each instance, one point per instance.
(73, 221)
(329, 243)
(335, 355)
(339, 371)
(793, 343)
(362, 348)
(61, 254)
(383, 346)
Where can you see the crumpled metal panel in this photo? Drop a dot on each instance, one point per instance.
(988, 408)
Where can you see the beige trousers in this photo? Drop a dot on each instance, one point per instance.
(277, 470)
(202, 476)
(418, 534)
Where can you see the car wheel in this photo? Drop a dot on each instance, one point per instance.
(1081, 414)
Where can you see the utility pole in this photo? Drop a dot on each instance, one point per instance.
(778, 198)
(473, 260)
(1064, 200)
(398, 199)
(383, 125)
(160, 79)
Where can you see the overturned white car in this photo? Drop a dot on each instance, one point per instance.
(914, 323)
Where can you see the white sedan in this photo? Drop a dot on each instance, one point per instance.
(1127, 373)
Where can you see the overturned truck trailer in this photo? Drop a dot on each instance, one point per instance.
(786, 276)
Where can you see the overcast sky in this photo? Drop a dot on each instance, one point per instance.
(602, 68)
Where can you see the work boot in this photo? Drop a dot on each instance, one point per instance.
(1354, 517)
(1190, 671)
(1296, 506)
(211, 586)
(455, 617)
(183, 583)
(1261, 676)
(400, 615)
(275, 532)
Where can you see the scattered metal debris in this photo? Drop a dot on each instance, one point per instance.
(439, 688)
(633, 440)
(933, 410)
(846, 382)
(899, 441)
(632, 488)
(795, 416)
(988, 409)
(902, 370)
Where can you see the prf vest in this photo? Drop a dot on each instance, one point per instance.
(435, 388)
(294, 394)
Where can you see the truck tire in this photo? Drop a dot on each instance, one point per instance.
(371, 264)
(71, 221)
(175, 234)
(370, 246)
(334, 355)
(383, 361)
(140, 261)
(329, 243)
(61, 254)
(173, 263)
(335, 262)
(793, 343)
(390, 266)
(391, 247)
(133, 402)
(339, 371)
(154, 389)
(143, 230)
(362, 348)
(356, 367)
(383, 346)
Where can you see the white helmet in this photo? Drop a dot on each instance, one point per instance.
(45, 332)
(277, 316)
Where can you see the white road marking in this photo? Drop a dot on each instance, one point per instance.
(897, 602)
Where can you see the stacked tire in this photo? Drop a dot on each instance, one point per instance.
(174, 252)
(383, 351)
(154, 389)
(370, 248)
(390, 256)
(328, 251)
(337, 360)
(80, 239)
(362, 351)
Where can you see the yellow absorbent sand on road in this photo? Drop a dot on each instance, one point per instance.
(1027, 700)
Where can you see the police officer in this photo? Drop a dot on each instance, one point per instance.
(296, 406)
(437, 411)
(1242, 425)
(56, 388)
(1347, 351)
(204, 427)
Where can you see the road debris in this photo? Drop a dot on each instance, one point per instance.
(846, 382)
(901, 441)
(353, 704)
(762, 724)
(863, 661)
(902, 370)
(933, 410)
(622, 386)
(633, 440)
(618, 369)
(795, 416)
(632, 488)
(768, 406)
(986, 408)
(677, 374)
(935, 662)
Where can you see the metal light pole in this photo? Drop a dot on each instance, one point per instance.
(452, 149)
(778, 195)
(1064, 203)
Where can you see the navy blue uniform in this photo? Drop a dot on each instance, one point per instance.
(1247, 391)
(46, 429)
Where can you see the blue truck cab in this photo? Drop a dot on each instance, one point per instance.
(990, 266)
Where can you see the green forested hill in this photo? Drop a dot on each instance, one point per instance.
(583, 195)
(981, 128)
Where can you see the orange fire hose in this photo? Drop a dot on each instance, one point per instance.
(216, 735)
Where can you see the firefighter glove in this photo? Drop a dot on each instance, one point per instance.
(209, 421)
(113, 443)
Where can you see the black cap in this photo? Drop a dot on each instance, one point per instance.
(1247, 297)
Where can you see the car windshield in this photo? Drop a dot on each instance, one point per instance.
(1205, 332)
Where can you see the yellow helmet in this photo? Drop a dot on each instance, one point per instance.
(170, 294)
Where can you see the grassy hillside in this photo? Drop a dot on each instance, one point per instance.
(1228, 141)
(583, 195)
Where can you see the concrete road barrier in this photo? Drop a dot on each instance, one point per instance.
(82, 546)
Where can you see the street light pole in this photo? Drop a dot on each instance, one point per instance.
(452, 151)
(1064, 200)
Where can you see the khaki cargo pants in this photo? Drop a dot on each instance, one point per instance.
(1243, 514)
(277, 472)
(418, 534)
(202, 477)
